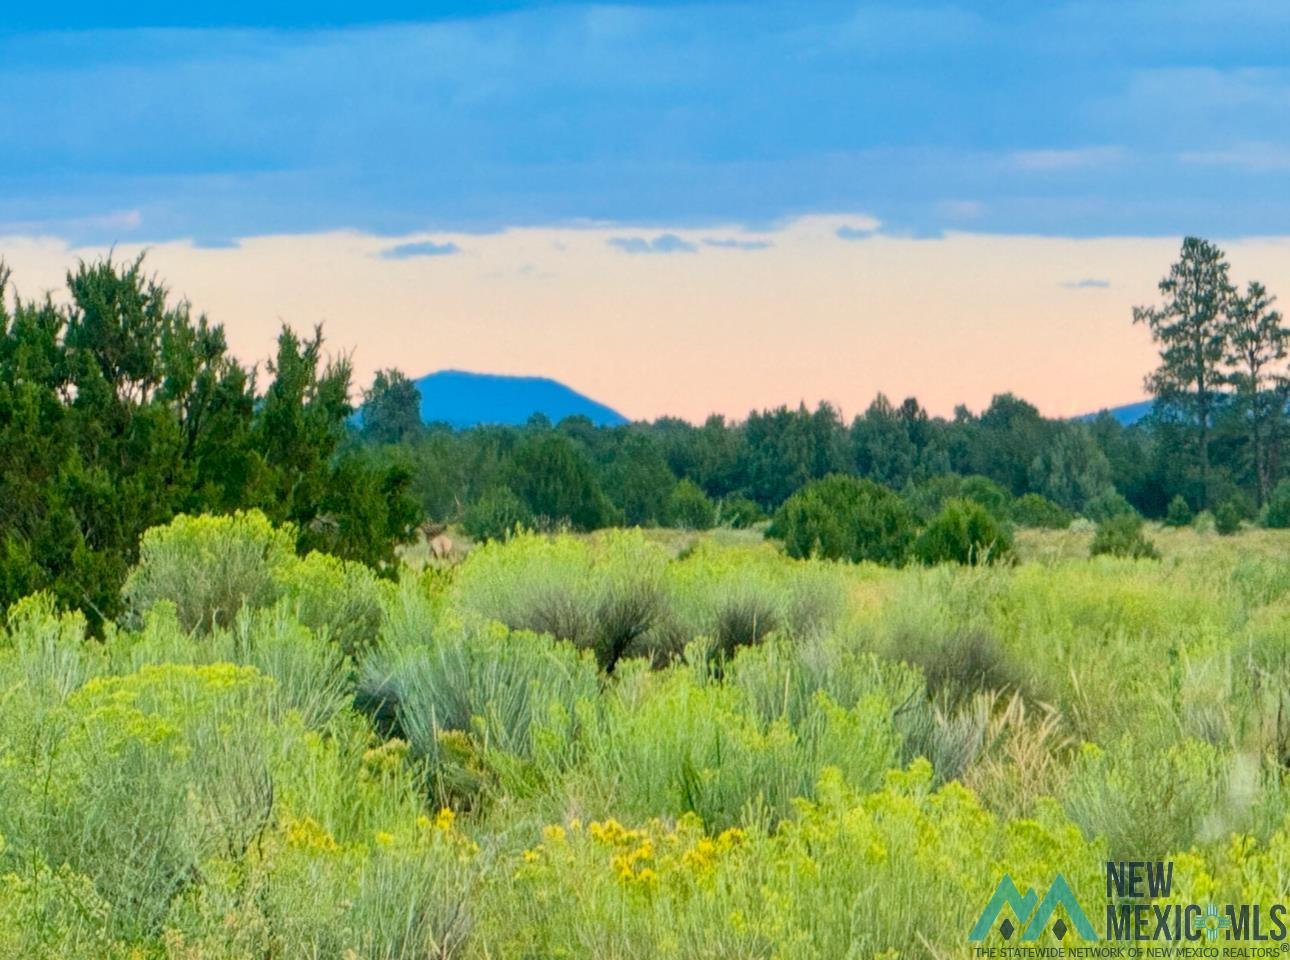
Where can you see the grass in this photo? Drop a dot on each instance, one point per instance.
(720, 752)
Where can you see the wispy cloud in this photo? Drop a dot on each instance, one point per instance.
(109, 224)
(1081, 158)
(216, 243)
(1243, 156)
(663, 243)
(732, 243)
(847, 232)
(1086, 283)
(962, 209)
(422, 248)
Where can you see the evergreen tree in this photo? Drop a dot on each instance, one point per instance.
(1193, 332)
(1256, 342)
(391, 410)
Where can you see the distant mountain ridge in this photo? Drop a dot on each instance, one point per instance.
(1127, 414)
(464, 399)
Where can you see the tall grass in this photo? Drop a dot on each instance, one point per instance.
(604, 746)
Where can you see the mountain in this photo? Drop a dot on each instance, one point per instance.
(465, 399)
(1128, 414)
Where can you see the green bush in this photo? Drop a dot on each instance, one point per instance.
(739, 513)
(688, 507)
(496, 515)
(605, 596)
(987, 493)
(928, 497)
(1102, 799)
(341, 600)
(1179, 513)
(1107, 505)
(1037, 511)
(846, 518)
(732, 599)
(1276, 514)
(209, 567)
(157, 771)
(480, 704)
(669, 745)
(554, 479)
(1227, 518)
(1121, 536)
(964, 532)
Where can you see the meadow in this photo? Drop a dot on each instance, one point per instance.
(631, 744)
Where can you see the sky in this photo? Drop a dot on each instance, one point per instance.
(678, 208)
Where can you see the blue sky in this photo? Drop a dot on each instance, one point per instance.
(155, 121)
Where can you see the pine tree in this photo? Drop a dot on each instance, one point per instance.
(1193, 332)
(1257, 341)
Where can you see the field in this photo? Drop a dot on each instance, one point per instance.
(727, 753)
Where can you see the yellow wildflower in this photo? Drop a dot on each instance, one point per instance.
(444, 819)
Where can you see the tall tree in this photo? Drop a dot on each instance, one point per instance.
(1257, 341)
(119, 409)
(391, 408)
(883, 449)
(1192, 330)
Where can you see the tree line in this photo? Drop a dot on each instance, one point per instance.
(1214, 438)
(120, 409)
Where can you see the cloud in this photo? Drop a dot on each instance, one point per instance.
(1255, 157)
(1086, 283)
(846, 232)
(423, 248)
(106, 225)
(568, 112)
(663, 243)
(962, 209)
(732, 243)
(1082, 158)
(216, 243)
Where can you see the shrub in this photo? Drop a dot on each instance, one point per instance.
(964, 532)
(496, 515)
(509, 704)
(1121, 536)
(987, 493)
(1227, 518)
(1276, 514)
(928, 497)
(338, 599)
(846, 518)
(311, 674)
(740, 513)
(1036, 510)
(605, 596)
(1100, 796)
(736, 598)
(1107, 505)
(159, 770)
(554, 479)
(689, 508)
(668, 745)
(1179, 513)
(209, 567)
